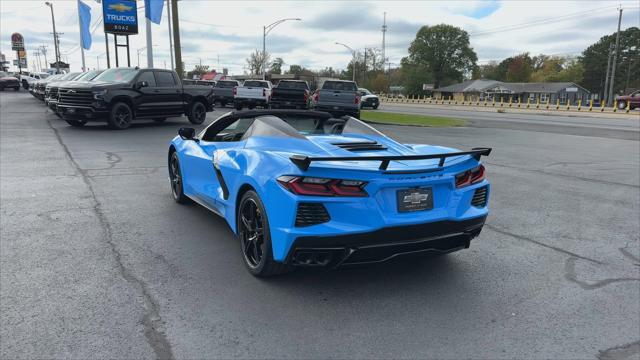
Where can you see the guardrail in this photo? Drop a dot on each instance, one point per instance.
(510, 104)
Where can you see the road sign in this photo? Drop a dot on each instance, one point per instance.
(17, 42)
(22, 54)
(120, 17)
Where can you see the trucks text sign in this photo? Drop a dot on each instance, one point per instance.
(120, 17)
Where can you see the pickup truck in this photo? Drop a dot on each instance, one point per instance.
(338, 97)
(52, 87)
(223, 91)
(28, 79)
(252, 93)
(368, 99)
(119, 96)
(292, 94)
(632, 99)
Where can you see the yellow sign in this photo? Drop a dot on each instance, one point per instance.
(22, 54)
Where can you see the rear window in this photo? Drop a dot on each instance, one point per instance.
(293, 85)
(339, 85)
(226, 84)
(254, 83)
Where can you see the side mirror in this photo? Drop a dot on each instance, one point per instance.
(142, 84)
(187, 133)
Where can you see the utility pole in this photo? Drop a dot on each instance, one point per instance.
(43, 50)
(170, 34)
(605, 93)
(55, 36)
(364, 73)
(176, 37)
(384, 33)
(615, 58)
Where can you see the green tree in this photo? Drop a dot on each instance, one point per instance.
(276, 66)
(594, 59)
(379, 84)
(443, 51)
(519, 68)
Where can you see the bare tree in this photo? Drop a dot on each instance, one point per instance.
(257, 62)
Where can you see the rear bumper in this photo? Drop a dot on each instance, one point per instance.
(288, 104)
(338, 110)
(384, 244)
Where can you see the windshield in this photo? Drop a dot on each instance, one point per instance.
(70, 76)
(339, 85)
(254, 83)
(226, 84)
(293, 85)
(3, 74)
(117, 75)
(364, 92)
(43, 75)
(89, 75)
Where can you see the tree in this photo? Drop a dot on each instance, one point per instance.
(443, 51)
(276, 66)
(198, 71)
(299, 70)
(257, 62)
(519, 68)
(594, 59)
(490, 71)
(413, 75)
(379, 84)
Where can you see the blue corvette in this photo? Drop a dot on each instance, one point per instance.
(301, 188)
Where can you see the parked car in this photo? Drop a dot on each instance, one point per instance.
(7, 81)
(303, 189)
(338, 97)
(51, 88)
(252, 93)
(290, 94)
(40, 86)
(119, 96)
(632, 99)
(223, 91)
(368, 99)
(28, 79)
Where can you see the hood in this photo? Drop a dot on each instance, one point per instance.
(8, 78)
(94, 85)
(372, 96)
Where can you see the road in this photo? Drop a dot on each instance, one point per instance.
(97, 261)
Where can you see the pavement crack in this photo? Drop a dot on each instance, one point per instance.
(151, 321)
(554, 248)
(571, 275)
(625, 351)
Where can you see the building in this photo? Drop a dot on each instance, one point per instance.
(483, 89)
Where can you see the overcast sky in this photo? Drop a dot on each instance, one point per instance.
(228, 31)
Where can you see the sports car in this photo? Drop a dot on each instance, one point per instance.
(302, 188)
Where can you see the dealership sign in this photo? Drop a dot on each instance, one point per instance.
(120, 17)
(17, 42)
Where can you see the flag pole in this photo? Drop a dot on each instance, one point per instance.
(81, 42)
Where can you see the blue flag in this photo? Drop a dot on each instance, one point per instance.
(84, 12)
(153, 10)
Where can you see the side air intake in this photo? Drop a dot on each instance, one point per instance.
(360, 146)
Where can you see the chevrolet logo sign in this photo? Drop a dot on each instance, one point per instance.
(71, 91)
(415, 198)
(120, 7)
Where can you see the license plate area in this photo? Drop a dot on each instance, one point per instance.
(415, 199)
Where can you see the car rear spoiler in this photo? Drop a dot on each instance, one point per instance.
(303, 162)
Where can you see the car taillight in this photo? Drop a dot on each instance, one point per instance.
(264, 92)
(306, 95)
(357, 99)
(323, 187)
(316, 96)
(469, 177)
(235, 90)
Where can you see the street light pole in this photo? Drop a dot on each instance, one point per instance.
(353, 53)
(265, 32)
(138, 51)
(55, 36)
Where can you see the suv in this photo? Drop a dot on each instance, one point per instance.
(119, 96)
(338, 97)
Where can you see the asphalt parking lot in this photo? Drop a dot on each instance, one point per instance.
(97, 261)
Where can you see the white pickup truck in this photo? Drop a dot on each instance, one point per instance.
(28, 79)
(252, 93)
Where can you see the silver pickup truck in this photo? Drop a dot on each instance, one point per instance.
(338, 98)
(223, 91)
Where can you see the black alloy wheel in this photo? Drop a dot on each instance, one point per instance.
(198, 113)
(121, 116)
(175, 178)
(255, 238)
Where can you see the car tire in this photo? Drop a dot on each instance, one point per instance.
(255, 238)
(197, 113)
(17, 88)
(238, 106)
(622, 105)
(25, 84)
(375, 107)
(120, 116)
(223, 103)
(175, 180)
(160, 120)
(76, 123)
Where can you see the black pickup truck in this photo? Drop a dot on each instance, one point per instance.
(121, 95)
(290, 94)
